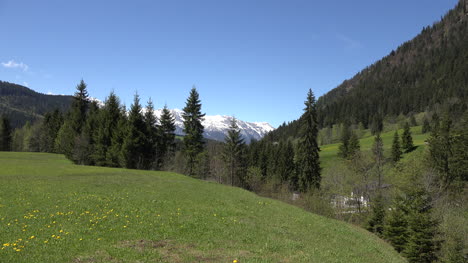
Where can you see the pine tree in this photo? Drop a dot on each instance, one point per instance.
(286, 166)
(396, 227)
(65, 140)
(109, 117)
(413, 121)
(378, 151)
(396, 149)
(377, 124)
(114, 155)
(84, 142)
(426, 126)
(376, 222)
(152, 136)
(167, 132)
(79, 108)
(309, 162)
(5, 134)
(193, 128)
(133, 146)
(233, 152)
(422, 246)
(407, 139)
(349, 143)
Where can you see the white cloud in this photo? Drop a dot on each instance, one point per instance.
(25, 84)
(14, 64)
(349, 42)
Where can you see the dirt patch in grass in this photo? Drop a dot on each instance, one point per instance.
(99, 256)
(171, 251)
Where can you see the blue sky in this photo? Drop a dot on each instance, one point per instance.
(254, 59)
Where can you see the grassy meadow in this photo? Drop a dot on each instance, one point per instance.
(54, 211)
(329, 152)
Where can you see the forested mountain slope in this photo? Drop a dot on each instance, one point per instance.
(21, 104)
(420, 75)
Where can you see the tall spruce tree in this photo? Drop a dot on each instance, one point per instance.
(396, 226)
(84, 142)
(193, 128)
(50, 128)
(377, 124)
(167, 132)
(5, 134)
(79, 107)
(407, 139)
(109, 117)
(114, 155)
(133, 146)
(422, 245)
(152, 136)
(379, 159)
(396, 149)
(349, 143)
(309, 162)
(376, 221)
(426, 126)
(233, 153)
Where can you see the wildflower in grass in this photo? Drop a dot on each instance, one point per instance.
(31, 237)
(235, 261)
(46, 241)
(6, 244)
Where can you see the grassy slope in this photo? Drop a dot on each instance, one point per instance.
(118, 215)
(329, 152)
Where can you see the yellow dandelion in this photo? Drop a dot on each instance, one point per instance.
(235, 261)
(46, 241)
(32, 237)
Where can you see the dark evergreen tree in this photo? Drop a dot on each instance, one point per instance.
(413, 121)
(65, 140)
(377, 124)
(193, 128)
(84, 142)
(376, 221)
(349, 143)
(422, 245)
(152, 137)
(133, 146)
(109, 118)
(286, 166)
(309, 162)
(396, 227)
(50, 128)
(79, 108)
(115, 156)
(167, 132)
(396, 149)
(233, 153)
(378, 151)
(407, 139)
(426, 126)
(5, 134)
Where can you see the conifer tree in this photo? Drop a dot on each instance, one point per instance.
(413, 121)
(349, 143)
(233, 152)
(84, 142)
(286, 166)
(114, 156)
(50, 128)
(396, 227)
(377, 124)
(376, 222)
(426, 126)
(167, 132)
(407, 139)
(133, 146)
(79, 108)
(5, 134)
(378, 151)
(422, 245)
(65, 140)
(396, 149)
(309, 162)
(193, 128)
(152, 136)
(109, 118)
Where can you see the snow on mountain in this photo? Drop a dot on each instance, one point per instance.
(217, 126)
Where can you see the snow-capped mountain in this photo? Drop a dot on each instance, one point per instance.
(217, 126)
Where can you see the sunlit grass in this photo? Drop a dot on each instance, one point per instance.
(53, 211)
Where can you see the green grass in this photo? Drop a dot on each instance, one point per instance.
(54, 211)
(329, 152)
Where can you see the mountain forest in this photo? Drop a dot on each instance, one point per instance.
(387, 150)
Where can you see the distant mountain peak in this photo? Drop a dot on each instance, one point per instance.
(217, 126)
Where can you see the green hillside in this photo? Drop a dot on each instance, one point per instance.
(21, 104)
(54, 211)
(329, 152)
